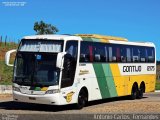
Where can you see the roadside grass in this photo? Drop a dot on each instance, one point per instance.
(6, 73)
(158, 85)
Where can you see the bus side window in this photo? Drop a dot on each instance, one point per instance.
(110, 54)
(84, 52)
(136, 54)
(118, 54)
(99, 52)
(142, 54)
(150, 55)
(114, 53)
(129, 54)
(106, 53)
(123, 54)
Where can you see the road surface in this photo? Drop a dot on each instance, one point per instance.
(150, 103)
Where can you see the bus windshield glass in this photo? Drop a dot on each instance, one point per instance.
(35, 63)
(37, 69)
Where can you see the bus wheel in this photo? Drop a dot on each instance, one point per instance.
(82, 99)
(134, 92)
(140, 93)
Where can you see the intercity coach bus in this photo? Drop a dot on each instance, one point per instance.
(75, 69)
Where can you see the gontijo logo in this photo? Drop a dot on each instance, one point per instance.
(132, 68)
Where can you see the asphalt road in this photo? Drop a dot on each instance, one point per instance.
(150, 103)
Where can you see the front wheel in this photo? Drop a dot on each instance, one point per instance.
(82, 99)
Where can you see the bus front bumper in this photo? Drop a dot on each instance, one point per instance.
(51, 99)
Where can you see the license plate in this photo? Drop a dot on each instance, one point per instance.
(32, 98)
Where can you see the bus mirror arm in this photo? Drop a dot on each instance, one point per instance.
(59, 62)
(7, 57)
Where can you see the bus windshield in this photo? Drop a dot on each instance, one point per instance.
(37, 69)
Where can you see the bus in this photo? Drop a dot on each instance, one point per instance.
(75, 69)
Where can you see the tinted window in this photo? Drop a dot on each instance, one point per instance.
(86, 52)
(106, 52)
(100, 52)
(129, 55)
(135, 54)
(114, 53)
(142, 52)
(150, 54)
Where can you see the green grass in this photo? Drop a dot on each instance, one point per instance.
(158, 85)
(6, 73)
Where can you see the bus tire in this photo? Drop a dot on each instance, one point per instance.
(82, 99)
(141, 91)
(134, 92)
(140, 94)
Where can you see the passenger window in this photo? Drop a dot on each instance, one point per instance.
(110, 54)
(129, 57)
(114, 54)
(142, 54)
(99, 53)
(136, 54)
(123, 54)
(86, 52)
(106, 54)
(118, 54)
(150, 54)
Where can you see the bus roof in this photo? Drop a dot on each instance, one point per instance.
(50, 37)
(90, 37)
(101, 37)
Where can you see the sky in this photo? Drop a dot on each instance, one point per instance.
(136, 20)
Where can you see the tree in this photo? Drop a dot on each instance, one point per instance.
(43, 28)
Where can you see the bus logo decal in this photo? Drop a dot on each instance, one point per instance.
(82, 72)
(132, 68)
(69, 96)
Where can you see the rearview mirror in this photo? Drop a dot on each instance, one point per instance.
(59, 62)
(7, 57)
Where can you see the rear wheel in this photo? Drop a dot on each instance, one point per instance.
(134, 92)
(82, 99)
(141, 91)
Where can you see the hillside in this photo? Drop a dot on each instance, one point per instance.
(5, 71)
(4, 48)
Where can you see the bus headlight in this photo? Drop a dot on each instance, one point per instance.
(52, 91)
(16, 89)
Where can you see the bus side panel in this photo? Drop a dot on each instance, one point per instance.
(121, 82)
(149, 81)
(124, 83)
(105, 80)
(87, 78)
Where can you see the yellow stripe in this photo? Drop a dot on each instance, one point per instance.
(118, 79)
